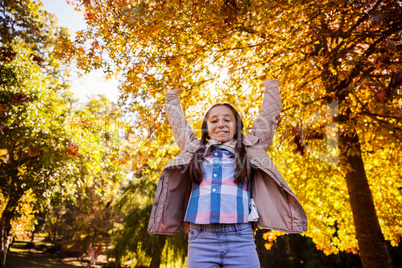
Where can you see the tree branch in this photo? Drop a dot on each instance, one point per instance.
(380, 115)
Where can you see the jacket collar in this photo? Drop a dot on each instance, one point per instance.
(248, 140)
(229, 146)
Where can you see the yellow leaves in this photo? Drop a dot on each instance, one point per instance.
(216, 64)
(22, 225)
(268, 246)
(177, 73)
(327, 207)
(22, 170)
(383, 166)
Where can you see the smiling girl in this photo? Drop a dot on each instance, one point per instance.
(216, 185)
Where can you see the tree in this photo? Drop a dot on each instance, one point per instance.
(131, 240)
(340, 58)
(98, 135)
(343, 56)
(25, 20)
(33, 140)
(32, 112)
(50, 152)
(36, 27)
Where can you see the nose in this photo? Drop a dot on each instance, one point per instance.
(221, 123)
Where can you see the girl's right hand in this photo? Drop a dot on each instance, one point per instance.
(177, 90)
(174, 91)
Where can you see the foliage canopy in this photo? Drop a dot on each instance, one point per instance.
(339, 68)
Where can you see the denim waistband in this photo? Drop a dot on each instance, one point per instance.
(220, 228)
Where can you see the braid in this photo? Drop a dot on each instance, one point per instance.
(196, 174)
(242, 165)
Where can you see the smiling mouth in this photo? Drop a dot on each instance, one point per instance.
(221, 132)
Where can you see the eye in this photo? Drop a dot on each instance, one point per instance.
(228, 120)
(214, 121)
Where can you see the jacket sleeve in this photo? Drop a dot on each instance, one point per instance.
(267, 120)
(182, 131)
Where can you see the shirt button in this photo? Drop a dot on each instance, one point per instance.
(216, 153)
(215, 175)
(214, 190)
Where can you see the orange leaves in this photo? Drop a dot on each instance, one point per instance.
(271, 237)
(394, 46)
(37, 59)
(298, 140)
(34, 152)
(382, 96)
(76, 4)
(229, 11)
(7, 55)
(19, 98)
(171, 60)
(72, 150)
(89, 15)
(3, 110)
(377, 18)
(83, 123)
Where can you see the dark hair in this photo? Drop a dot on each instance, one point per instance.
(242, 165)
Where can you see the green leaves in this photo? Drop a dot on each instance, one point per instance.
(31, 128)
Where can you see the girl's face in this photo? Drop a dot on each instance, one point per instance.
(221, 123)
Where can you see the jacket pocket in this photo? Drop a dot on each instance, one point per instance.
(155, 217)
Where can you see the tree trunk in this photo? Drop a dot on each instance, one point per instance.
(157, 254)
(5, 227)
(373, 248)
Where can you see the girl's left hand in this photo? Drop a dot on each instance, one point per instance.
(265, 82)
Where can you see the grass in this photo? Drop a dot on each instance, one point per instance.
(30, 260)
(25, 254)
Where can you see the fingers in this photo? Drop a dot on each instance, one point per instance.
(173, 91)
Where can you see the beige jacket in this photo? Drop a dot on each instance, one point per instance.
(277, 206)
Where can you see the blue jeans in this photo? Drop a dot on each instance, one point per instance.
(222, 245)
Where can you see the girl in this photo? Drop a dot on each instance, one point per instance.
(215, 186)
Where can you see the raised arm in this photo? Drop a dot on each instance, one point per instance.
(182, 131)
(267, 120)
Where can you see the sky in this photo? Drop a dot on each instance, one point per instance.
(94, 82)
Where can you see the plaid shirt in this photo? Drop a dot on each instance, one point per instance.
(218, 199)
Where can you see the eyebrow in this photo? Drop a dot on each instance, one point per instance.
(222, 115)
